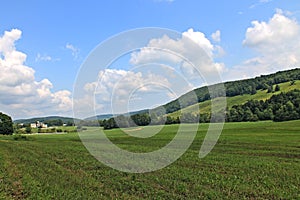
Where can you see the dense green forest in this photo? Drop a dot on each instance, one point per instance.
(280, 107)
(6, 124)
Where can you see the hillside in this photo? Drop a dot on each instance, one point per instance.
(241, 89)
(262, 98)
(107, 116)
(205, 106)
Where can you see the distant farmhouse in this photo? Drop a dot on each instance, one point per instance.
(38, 124)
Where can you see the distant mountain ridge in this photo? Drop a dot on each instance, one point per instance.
(45, 119)
(107, 116)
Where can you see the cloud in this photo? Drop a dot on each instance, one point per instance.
(200, 39)
(75, 51)
(276, 43)
(193, 46)
(259, 3)
(119, 87)
(120, 91)
(280, 30)
(159, 72)
(168, 1)
(216, 36)
(40, 57)
(265, 1)
(21, 95)
(45, 58)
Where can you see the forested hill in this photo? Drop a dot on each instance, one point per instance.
(235, 88)
(268, 97)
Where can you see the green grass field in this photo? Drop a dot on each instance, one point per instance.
(258, 160)
(63, 128)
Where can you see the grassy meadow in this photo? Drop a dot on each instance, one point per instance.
(258, 160)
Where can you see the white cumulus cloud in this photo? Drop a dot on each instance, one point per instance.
(280, 30)
(276, 43)
(120, 91)
(193, 47)
(118, 87)
(164, 69)
(21, 95)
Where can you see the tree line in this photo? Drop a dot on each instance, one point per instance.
(280, 107)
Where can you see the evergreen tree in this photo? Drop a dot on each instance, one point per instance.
(270, 89)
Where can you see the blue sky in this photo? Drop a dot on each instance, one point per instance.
(56, 37)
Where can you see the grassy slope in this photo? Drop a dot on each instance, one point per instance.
(251, 161)
(205, 106)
